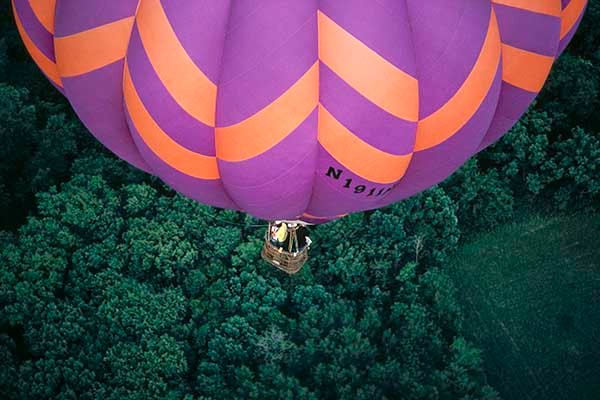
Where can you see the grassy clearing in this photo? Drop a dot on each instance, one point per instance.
(531, 294)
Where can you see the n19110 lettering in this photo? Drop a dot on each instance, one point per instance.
(366, 191)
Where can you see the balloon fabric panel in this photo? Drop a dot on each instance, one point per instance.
(286, 109)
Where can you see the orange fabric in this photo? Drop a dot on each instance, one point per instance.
(358, 156)
(43, 62)
(92, 49)
(44, 10)
(172, 153)
(367, 72)
(273, 123)
(188, 85)
(570, 15)
(307, 215)
(524, 69)
(453, 115)
(548, 7)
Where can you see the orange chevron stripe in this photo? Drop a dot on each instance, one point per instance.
(307, 215)
(44, 10)
(453, 115)
(358, 156)
(367, 72)
(272, 124)
(44, 63)
(548, 7)
(175, 155)
(92, 49)
(524, 69)
(570, 15)
(188, 85)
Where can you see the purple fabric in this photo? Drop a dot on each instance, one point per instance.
(175, 121)
(448, 37)
(74, 16)
(331, 196)
(271, 164)
(512, 105)
(529, 31)
(201, 26)
(264, 56)
(254, 51)
(42, 39)
(374, 125)
(209, 192)
(432, 166)
(97, 98)
(534, 32)
(279, 181)
(382, 25)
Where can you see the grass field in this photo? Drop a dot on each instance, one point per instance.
(531, 295)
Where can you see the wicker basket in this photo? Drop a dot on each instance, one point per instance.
(287, 260)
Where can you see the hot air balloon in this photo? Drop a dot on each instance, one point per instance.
(297, 110)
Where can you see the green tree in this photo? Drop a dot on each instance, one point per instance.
(39, 144)
(128, 292)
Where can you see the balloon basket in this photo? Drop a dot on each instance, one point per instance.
(289, 259)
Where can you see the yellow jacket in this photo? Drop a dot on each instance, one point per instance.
(282, 233)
